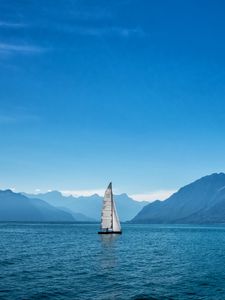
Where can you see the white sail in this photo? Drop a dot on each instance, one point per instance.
(116, 221)
(107, 220)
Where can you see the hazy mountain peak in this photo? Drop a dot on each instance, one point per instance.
(56, 193)
(94, 195)
(91, 206)
(123, 195)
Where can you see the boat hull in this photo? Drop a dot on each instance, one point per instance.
(110, 232)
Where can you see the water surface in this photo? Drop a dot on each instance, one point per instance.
(71, 261)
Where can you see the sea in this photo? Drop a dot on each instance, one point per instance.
(71, 261)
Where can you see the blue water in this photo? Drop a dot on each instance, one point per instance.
(70, 261)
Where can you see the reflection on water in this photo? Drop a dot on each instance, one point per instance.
(108, 240)
(108, 257)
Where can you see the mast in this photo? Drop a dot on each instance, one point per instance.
(112, 203)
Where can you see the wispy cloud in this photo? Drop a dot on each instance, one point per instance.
(106, 31)
(20, 48)
(151, 196)
(98, 22)
(11, 25)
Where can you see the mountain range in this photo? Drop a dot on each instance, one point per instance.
(202, 201)
(89, 207)
(53, 206)
(17, 207)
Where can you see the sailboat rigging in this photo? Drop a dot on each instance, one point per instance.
(109, 219)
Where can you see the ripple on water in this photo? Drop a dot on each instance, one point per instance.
(68, 261)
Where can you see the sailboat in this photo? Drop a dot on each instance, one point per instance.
(109, 221)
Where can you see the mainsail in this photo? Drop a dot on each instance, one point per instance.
(109, 221)
(116, 222)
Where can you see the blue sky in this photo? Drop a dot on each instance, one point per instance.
(129, 91)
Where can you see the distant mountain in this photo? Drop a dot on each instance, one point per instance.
(17, 207)
(202, 201)
(77, 216)
(91, 206)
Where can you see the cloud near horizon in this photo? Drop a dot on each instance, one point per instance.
(77, 193)
(152, 196)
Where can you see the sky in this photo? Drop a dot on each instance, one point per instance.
(127, 91)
